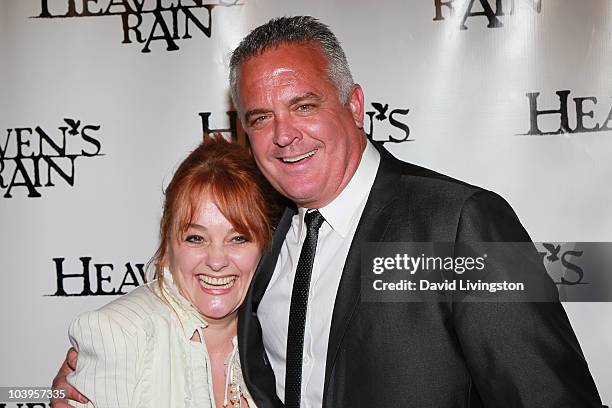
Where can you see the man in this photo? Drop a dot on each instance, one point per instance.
(304, 116)
(306, 336)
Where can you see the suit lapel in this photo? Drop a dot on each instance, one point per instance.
(371, 228)
(256, 369)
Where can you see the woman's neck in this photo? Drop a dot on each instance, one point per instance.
(219, 333)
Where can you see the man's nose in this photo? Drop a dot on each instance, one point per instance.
(285, 131)
(216, 258)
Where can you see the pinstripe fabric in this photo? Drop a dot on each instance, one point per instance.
(135, 352)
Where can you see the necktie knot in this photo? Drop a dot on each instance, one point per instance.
(313, 220)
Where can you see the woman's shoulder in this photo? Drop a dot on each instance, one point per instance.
(135, 311)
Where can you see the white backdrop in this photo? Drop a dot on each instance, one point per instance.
(449, 88)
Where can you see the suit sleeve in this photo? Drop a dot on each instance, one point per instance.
(520, 354)
(109, 360)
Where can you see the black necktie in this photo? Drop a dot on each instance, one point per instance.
(297, 311)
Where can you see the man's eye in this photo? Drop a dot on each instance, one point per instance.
(305, 107)
(194, 239)
(258, 120)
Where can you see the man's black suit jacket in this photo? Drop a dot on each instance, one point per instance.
(437, 355)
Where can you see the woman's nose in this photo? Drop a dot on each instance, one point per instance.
(217, 257)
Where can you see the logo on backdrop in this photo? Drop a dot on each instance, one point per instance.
(34, 158)
(144, 21)
(86, 277)
(386, 125)
(493, 10)
(555, 255)
(234, 130)
(557, 116)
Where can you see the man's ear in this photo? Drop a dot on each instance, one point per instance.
(355, 103)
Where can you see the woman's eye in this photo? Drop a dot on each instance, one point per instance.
(194, 239)
(240, 239)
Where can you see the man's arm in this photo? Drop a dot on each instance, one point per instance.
(60, 382)
(518, 354)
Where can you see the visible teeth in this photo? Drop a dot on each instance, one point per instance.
(210, 282)
(298, 158)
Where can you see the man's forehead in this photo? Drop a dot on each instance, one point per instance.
(291, 56)
(282, 74)
(277, 69)
(275, 75)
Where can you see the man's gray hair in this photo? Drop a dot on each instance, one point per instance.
(291, 30)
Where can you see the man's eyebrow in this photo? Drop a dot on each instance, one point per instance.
(254, 112)
(307, 95)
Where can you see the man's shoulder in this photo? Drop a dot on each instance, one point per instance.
(426, 184)
(422, 193)
(439, 207)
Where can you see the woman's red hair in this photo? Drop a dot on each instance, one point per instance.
(226, 173)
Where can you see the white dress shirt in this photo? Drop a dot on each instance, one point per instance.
(335, 236)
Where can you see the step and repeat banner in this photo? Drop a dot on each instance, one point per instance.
(101, 99)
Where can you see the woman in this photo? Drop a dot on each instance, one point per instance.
(172, 342)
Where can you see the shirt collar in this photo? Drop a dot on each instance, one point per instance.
(191, 319)
(340, 214)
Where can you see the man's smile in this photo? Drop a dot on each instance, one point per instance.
(300, 157)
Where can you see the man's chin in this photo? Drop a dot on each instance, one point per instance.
(303, 193)
(313, 201)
